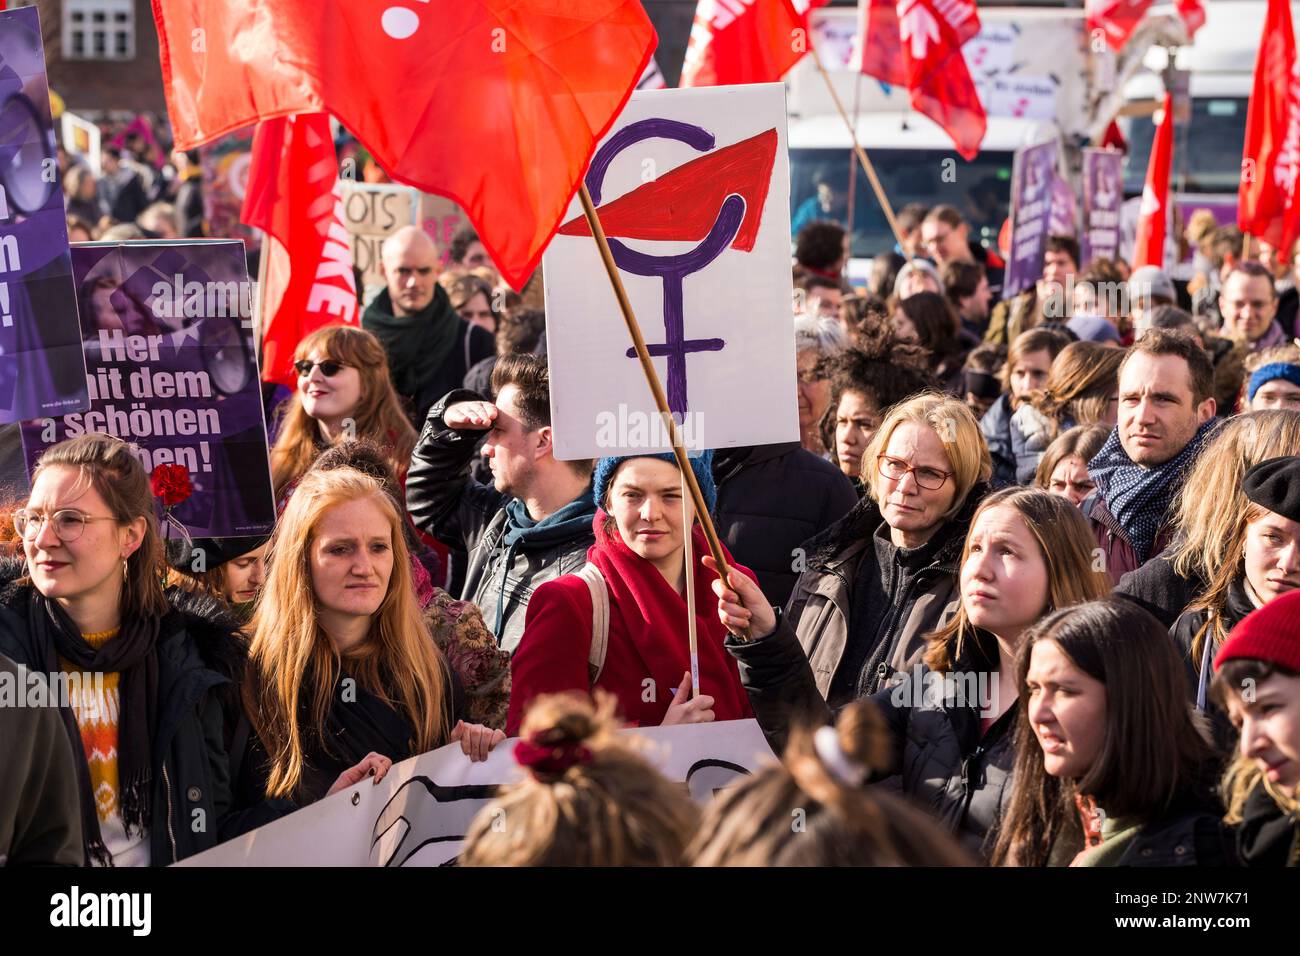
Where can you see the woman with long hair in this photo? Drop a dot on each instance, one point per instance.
(1110, 768)
(1264, 537)
(1082, 389)
(950, 716)
(928, 320)
(343, 672)
(146, 714)
(1257, 681)
(1208, 507)
(343, 392)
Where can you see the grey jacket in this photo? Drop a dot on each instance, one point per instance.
(443, 500)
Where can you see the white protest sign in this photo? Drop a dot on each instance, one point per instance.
(693, 191)
(419, 813)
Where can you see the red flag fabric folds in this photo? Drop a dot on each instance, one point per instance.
(293, 195)
(1149, 248)
(743, 41)
(1117, 19)
(1270, 157)
(496, 104)
(918, 44)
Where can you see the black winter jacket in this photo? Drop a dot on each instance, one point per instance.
(771, 499)
(1267, 835)
(200, 660)
(1189, 836)
(1161, 590)
(444, 501)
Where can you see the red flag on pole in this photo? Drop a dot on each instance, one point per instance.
(1117, 19)
(495, 104)
(1270, 156)
(1149, 249)
(293, 195)
(918, 44)
(1193, 15)
(734, 41)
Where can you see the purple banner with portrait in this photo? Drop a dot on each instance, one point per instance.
(172, 369)
(1033, 173)
(1103, 194)
(41, 367)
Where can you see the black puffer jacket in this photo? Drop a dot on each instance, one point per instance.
(771, 499)
(200, 660)
(1157, 587)
(996, 426)
(1267, 836)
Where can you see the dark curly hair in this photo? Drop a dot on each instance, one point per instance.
(819, 245)
(878, 367)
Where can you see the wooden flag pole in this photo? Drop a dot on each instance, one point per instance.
(652, 379)
(863, 159)
(688, 525)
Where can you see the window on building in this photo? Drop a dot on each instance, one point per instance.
(99, 29)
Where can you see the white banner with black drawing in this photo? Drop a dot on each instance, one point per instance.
(419, 813)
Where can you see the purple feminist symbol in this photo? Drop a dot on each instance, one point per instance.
(672, 269)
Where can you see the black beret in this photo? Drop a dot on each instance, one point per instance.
(1275, 484)
(182, 555)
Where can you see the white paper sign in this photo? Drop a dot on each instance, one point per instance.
(693, 191)
(419, 813)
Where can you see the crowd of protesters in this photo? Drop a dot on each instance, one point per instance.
(1024, 592)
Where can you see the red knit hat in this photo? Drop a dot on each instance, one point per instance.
(1270, 633)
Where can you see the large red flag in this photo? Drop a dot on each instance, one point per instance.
(1149, 248)
(1270, 156)
(1117, 19)
(1193, 14)
(918, 44)
(744, 41)
(293, 195)
(496, 104)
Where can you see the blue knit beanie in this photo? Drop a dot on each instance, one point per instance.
(701, 464)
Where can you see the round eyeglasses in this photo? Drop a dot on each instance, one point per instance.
(894, 469)
(68, 524)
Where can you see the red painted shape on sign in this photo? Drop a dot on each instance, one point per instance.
(683, 204)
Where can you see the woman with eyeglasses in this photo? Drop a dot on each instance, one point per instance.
(145, 677)
(344, 392)
(877, 582)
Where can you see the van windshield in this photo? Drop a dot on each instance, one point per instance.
(981, 190)
(1207, 151)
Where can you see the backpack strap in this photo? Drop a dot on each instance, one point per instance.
(599, 620)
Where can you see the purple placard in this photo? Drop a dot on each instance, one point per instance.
(42, 371)
(1103, 194)
(1063, 220)
(171, 368)
(1033, 172)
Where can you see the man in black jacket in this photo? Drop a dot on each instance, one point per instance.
(771, 499)
(534, 523)
(429, 346)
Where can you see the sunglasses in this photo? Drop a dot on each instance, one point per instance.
(329, 368)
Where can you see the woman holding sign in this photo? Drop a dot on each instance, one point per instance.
(343, 392)
(343, 670)
(621, 623)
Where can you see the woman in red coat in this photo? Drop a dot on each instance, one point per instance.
(640, 555)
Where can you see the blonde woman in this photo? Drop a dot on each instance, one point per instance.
(1210, 503)
(344, 678)
(343, 392)
(1264, 537)
(950, 716)
(879, 580)
(1082, 389)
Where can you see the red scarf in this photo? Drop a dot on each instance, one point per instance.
(647, 609)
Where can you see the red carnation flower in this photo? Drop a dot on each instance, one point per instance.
(171, 483)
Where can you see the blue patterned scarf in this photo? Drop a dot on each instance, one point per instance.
(1139, 498)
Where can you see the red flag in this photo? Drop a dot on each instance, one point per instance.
(1193, 15)
(1117, 19)
(918, 44)
(1149, 249)
(495, 104)
(734, 41)
(294, 195)
(1270, 156)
